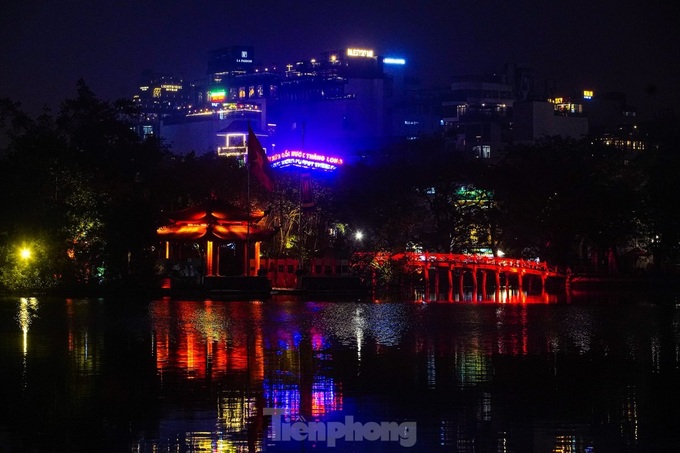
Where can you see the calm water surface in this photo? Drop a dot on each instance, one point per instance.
(592, 373)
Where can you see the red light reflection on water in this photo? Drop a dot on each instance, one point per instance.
(193, 337)
(496, 297)
(205, 339)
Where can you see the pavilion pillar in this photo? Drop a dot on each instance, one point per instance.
(246, 259)
(216, 252)
(257, 257)
(209, 258)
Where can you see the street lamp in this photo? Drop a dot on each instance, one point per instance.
(25, 253)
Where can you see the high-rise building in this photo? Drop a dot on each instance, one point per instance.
(353, 100)
(340, 102)
(159, 96)
(477, 115)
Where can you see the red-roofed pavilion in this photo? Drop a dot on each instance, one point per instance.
(212, 223)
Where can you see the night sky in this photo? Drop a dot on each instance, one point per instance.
(629, 46)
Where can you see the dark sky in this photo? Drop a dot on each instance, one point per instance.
(629, 46)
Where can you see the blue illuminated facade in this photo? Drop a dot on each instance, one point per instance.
(338, 104)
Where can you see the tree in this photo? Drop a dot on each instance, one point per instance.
(82, 182)
(661, 165)
(560, 198)
(25, 265)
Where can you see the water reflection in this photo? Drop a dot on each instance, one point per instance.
(351, 322)
(503, 295)
(294, 356)
(26, 313)
(267, 360)
(85, 343)
(183, 375)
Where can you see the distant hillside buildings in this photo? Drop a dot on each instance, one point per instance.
(353, 100)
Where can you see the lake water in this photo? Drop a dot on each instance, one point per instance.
(594, 372)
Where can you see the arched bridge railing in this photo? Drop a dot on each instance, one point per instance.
(468, 261)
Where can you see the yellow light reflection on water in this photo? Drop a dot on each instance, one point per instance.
(28, 307)
(27, 311)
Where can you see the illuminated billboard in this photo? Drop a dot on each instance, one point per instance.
(365, 53)
(217, 96)
(304, 159)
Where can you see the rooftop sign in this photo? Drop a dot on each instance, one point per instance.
(365, 53)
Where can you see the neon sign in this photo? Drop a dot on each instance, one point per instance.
(587, 94)
(217, 96)
(240, 106)
(365, 53)
(399, 61)
(305, 159)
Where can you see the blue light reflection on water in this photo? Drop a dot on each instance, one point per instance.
(111, 375)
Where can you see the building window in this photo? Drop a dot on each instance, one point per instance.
(482, 151)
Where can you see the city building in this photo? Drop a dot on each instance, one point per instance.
(477, 114)
(348, 102)
(342, 102)
(534, 120)
(159, 96)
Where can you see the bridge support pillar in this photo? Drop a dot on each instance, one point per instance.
(426, 278)
(484, 284)
(520, 277)
(544, 279)
(449, 275)
(474, 278)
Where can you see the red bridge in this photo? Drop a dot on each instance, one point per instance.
(472, 270)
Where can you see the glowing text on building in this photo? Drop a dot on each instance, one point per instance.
(305, 160)
(366, 53)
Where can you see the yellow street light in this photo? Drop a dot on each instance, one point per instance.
(25, 253)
